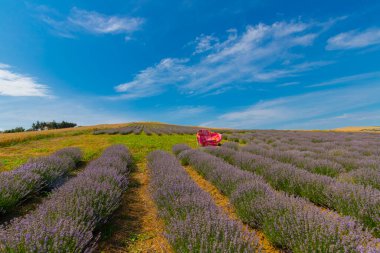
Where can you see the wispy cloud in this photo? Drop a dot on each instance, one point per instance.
(287, 84)
(262, 53)
(349, 79)
(19, 85)
(152, 80)
(88, 21)
(287, 112)
(354, 39)
(190, 111)
(98, 23)
(205, 43)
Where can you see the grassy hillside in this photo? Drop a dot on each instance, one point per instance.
(8, 139)
(92, 145)
(16, 148)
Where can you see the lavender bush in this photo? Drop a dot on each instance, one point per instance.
(73, 153)
(350, 150)
(364, 176)
(65, 222)
(193, 222)
(36, 174)
(178, 148)
(231, 145)
(288, 222)
(357, 201)
(314, 165)
(126, 130)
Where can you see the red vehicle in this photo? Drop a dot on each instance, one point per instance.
(207, 138)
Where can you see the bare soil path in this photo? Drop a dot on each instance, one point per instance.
(135, 227)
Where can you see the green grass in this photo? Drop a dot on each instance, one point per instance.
(92, 146)
(140, 145)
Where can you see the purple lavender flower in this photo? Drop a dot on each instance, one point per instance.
(193, 222)
(357, 201)
(289, 222)
(37, 173)
(178, 148)
(66, 220)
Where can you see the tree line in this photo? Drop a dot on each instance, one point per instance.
(42, 125)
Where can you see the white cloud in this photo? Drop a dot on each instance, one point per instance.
(288, 112)
(354, 39)
(151, 80)
(88, 21)
(205, 43)
(19, 85)
(99, 23)
(262, 53)
(4, 66)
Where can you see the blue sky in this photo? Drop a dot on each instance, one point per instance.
(244, 64)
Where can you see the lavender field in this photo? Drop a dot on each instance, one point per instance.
(141, 126)
(260, 191)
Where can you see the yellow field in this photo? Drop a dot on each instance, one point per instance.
(358, 129)
(13, 138)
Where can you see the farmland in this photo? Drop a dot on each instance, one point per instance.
(148, 187)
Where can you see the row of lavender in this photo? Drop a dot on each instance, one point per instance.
(367, 171)
(348, 149)
(318, 165)
(357, 144)
(348, 144)
(35, 175)
(358, 201)
(344, 160)
(149, 129)
(356, 140)
(193, 222)
(67, 219)
(362, 148)
(288, 222)
(349, 157)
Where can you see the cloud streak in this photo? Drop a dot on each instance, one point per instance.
(88, 21)
(262, 53)
(348, 79)
(19, 85)
(354, 39)
(99, 23)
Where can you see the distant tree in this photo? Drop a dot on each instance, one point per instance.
(15, 130)
(52, 125)
(37, 126)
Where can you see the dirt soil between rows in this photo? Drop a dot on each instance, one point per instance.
(135, 227)
(223, 202)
